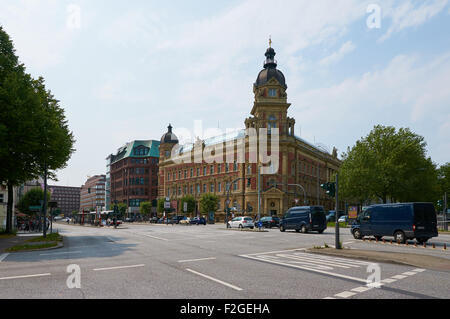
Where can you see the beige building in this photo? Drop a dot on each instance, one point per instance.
(302, 166)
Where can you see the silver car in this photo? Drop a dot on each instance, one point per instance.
(241, 222)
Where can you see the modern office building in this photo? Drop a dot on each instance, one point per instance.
(92, 194)
(67, 198)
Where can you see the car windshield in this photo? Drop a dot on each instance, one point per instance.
(248, 218)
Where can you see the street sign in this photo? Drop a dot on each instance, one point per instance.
(166, 205)
(352, 212)
(35, 208)
(185, 208)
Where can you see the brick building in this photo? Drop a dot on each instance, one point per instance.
(133, 173)
(68, 198)
(300, 162)
(92, 194)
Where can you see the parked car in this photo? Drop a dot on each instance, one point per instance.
(154, 220)
(343, 219)
(162, 220)
(130, 220)
(403, 221)
(184, 221)
(304, 219)
(331, 217)
(269, 221)
(176, 219)
(241, 222)
(198, 221)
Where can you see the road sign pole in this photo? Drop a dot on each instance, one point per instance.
(336, 219)
(45, 202)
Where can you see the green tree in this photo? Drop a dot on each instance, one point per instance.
(31, 198)
(34, 135)
(388, 164)
(444, 179)
(208, 203)
(145, 209)
(160, 207)
(122, 209)
(190, 200)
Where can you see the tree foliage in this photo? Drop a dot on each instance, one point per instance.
(145, 208)
(388, 165)
(34, 133)
(444, 179)
(160, 207)
(32, 198)
(208, 203)
(190, 200)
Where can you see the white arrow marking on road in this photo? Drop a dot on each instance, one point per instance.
(214, 279)
(25, 276)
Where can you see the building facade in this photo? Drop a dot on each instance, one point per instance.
(68, 199)
(302, 166)
(92, 194)
(133, 172)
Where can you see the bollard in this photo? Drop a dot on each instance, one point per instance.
(376, 239)
(415, 244)
(434, 245)
(384, 241)
(424, 245)
(445, 246)
(407, 244)
(391, 241)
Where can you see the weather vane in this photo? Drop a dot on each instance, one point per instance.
(270, 41)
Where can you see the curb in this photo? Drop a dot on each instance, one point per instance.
(58, 246)
(342, 253)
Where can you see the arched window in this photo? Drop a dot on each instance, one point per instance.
(272, 123)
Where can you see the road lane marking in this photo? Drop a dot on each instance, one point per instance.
(118, 267)
(409, 273)
(345, 294)
(62, 253)
(389, 280)
(419, 270)
(25, 276)
(308, 268)
(399, 277)
(361, 289)
(199, 259)
(3, 256)
(214, 279)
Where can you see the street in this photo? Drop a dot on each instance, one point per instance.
(203, 262)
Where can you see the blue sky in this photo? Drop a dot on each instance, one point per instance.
(124, 69)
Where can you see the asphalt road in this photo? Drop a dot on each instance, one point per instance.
(202, 262)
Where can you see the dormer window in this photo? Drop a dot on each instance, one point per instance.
(272, 92)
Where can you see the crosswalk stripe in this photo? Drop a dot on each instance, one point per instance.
(345, 294)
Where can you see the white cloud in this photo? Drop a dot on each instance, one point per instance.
(408, 15)
(335, 57)
(407, 92)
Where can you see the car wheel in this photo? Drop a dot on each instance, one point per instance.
(297, 230)
(228, 225)
(321, 231)
(282, 229)
(399, 237)
(357, 234)
(304, 229)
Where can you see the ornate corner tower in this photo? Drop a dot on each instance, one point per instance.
(271, 106)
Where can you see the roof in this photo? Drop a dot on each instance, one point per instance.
(127, 150)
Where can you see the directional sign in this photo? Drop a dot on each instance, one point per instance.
(166, 205)
(34, 208)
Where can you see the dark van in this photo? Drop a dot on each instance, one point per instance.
(304, 219)
(403, 221)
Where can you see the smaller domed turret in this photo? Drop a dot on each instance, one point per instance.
(169, 137)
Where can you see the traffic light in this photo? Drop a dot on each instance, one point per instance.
(440, 203)
(330, 189)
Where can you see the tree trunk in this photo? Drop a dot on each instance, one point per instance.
(9, 209)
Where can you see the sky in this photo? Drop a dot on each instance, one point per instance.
(124, 70)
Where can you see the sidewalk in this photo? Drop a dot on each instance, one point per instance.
(6, 243)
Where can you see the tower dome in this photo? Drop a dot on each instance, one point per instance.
(169, 137)
(270, 70)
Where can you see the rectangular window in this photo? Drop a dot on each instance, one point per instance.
(198, 171)
(212, 188)
(204, 188)
(272, 92)
(219, 187)
(192, 172)
(204, 171)
(211, 171)
(219, 168)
